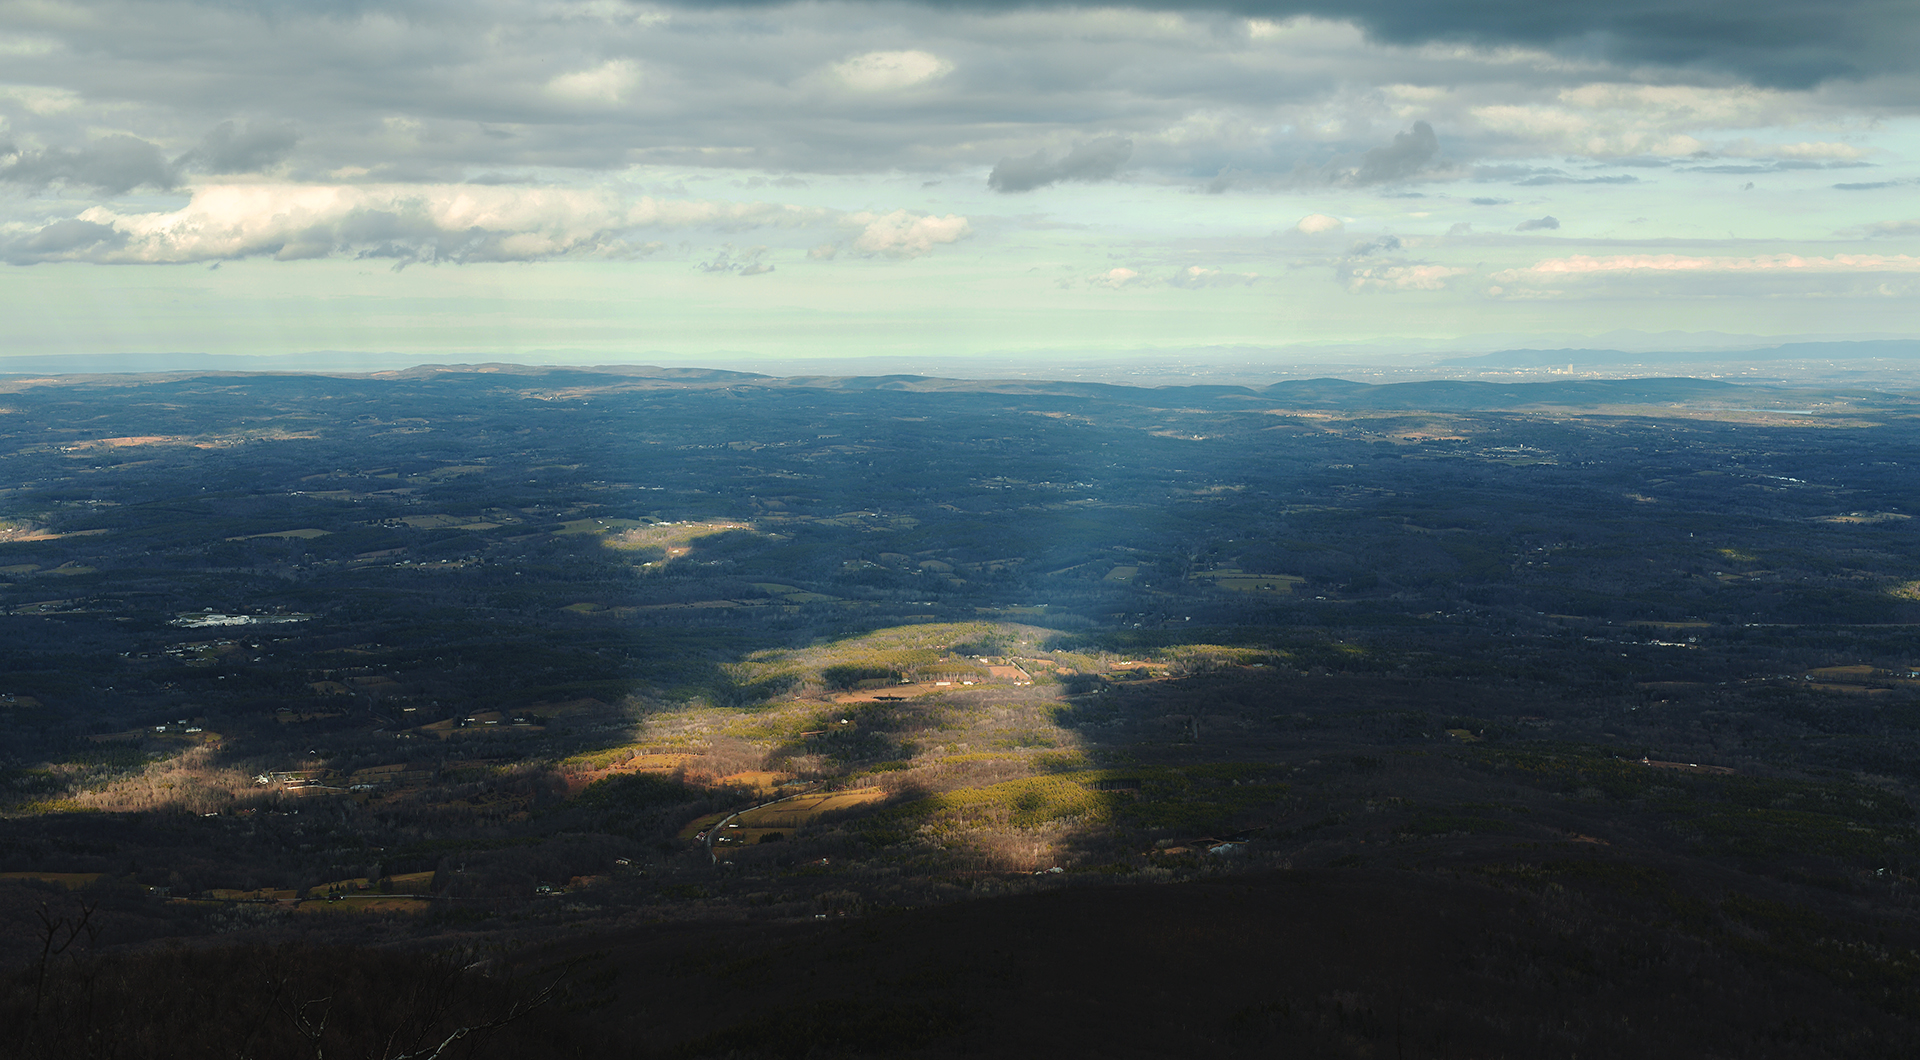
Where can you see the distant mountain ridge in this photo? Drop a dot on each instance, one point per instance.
(1475, 394)
(1234, 364)
(1317, 393)
(1322, 393)
(1903, 349)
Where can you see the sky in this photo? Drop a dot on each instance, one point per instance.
(605, 180)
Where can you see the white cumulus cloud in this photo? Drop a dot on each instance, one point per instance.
(1805, 151)
(905, 235)
(437, 222)
(41, 99)
(1697, 276)
(1397, 277)
(606, 84)
(885, 71)
(1315, 223)
(1194, 277)
(1581, 264)
(406, 222)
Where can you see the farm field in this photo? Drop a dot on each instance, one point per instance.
(364, 903)
(69, 880)
(787, 816)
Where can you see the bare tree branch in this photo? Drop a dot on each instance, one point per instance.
(519, 1009)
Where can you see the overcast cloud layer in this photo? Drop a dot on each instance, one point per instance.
(1256, 171)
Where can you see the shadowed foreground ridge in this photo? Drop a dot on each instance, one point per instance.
(1576, 956)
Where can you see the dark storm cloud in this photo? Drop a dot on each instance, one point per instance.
(1783, 43)
(61, 239)
(1094, 160)
(1375, 246)
(112, 164)
(1778, 43)
(422, 91)
(1408, 154)
(1413, 154)
(230, 150)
